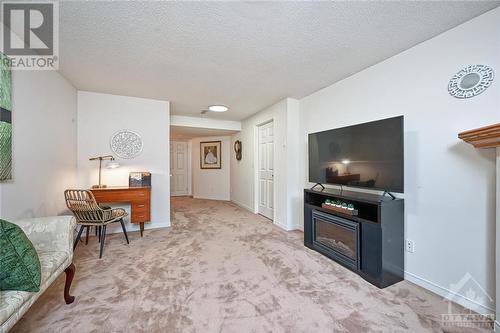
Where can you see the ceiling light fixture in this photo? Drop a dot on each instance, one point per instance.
(218, 108)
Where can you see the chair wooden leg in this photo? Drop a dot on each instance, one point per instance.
(103, 239)
(70, 273)
(78, 237)
(87, 236)
(95, 230)
(99, 232)
(124, 230)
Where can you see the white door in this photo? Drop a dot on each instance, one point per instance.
(266, 170)
(179, 170)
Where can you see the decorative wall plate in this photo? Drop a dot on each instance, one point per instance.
(237, 149)
(471, 81)
(126, 144)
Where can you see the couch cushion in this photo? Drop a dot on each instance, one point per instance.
(51, 263)
(21, 268)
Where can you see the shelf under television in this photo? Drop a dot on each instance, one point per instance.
(350, 217)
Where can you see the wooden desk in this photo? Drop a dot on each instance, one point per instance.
(138, 197)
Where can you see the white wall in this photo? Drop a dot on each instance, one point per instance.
(99, 117)
(497, 242)
(449, 185)
(294, 192)
(200, 122)
(211, 184)
(287, 184)
(44, 145)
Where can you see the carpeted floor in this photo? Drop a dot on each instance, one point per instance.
(220, 268)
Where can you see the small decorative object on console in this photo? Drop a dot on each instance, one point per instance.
(340, 208)
(139, 179)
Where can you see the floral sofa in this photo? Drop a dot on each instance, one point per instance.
(53, 241)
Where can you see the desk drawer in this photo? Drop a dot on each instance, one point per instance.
(140, 211)
(130, 195)
(140, 206)
(140, 216)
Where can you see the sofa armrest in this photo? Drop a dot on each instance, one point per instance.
(53, 233)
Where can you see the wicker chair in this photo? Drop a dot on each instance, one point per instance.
(89, 214)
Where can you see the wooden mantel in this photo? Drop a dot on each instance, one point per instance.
(484, 137)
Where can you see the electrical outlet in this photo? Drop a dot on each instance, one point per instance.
(410, 246)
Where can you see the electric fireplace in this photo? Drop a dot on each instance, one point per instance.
(370, 242)
(337, 236)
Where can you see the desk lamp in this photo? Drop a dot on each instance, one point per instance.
(112, 164)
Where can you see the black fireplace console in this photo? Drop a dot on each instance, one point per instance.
(371, 243)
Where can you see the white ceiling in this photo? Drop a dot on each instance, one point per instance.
(185, 133)
(246, 55)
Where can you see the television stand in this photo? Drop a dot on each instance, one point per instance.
(389, 194)
(322, 187)
(369, 242)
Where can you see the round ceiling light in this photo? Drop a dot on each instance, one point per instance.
(218, 108)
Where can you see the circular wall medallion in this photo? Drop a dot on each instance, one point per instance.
(471, 81)
(237, 149)
(126, 144)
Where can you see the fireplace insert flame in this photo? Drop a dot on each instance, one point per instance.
(337, 236)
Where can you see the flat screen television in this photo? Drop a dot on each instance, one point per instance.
(368, 155)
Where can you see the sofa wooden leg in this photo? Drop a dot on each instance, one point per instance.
(70, 273)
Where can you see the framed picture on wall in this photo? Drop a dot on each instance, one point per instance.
(210, 155)
(5, 120)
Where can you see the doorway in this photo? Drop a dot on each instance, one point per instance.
(266, 170)
(179, 168)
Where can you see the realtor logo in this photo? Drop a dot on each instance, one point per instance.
(472, 291)
(30, 34)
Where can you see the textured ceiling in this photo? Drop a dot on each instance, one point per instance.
(246, 55)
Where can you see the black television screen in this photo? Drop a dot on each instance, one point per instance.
(368, 155)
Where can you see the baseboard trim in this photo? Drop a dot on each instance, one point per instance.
(242, 205)
(281, 226)
(211, 198)
(445, 292)
(298, 227)
(286, 228)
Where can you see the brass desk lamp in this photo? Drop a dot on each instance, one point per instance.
(112, 164)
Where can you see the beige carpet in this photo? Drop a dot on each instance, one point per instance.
(220, 268)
